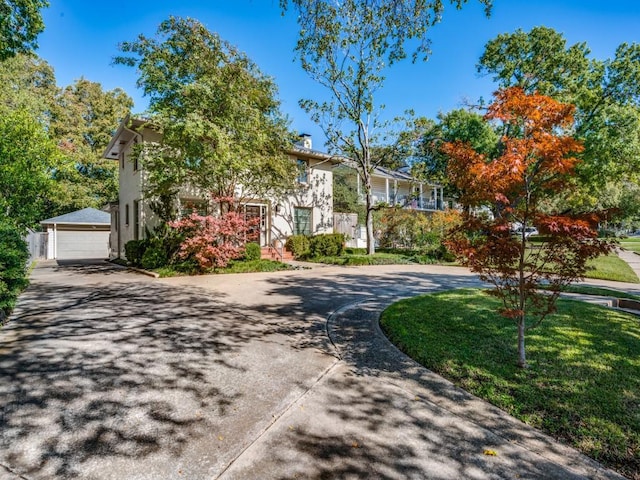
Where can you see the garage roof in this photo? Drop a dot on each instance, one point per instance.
(86, 216)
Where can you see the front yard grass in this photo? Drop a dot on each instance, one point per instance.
(583, 384)
(611, 267)
(631, 243)
(600, 291)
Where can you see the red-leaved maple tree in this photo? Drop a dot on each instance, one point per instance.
(504, 197)
(213, 241)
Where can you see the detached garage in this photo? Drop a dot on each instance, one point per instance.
(78, 235)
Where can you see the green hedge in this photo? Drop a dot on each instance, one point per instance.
(252, 251)
(14, 255)
(155, 254)
(134, 250)
(298, 245)
(327, 245)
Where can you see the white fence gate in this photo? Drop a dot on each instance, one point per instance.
(347, 223)
(37, 243)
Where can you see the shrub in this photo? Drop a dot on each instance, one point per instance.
(14, 255)
(326, 245)
(252, 251)
(134, 250)
(212, 241)
(298, 245)
(155, 255)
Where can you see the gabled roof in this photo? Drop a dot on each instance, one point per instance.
(316, 154)
(383, 172)
(125, 133)
(86, 216)
(396, 174)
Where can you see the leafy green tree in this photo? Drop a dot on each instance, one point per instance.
(28, 83)
(80, 119)
(345, 191)
(20, 24)
(346, 46)
(218, 114)
(85, 118)
(29, 160)
(429, 161)
(606, 94)
(13, 267)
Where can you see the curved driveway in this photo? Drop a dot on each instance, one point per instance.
(106, 374)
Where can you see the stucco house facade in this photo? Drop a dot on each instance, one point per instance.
(308, 209)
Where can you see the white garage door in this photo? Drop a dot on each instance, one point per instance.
(76, 244)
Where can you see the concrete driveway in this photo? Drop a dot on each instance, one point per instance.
(106, 374)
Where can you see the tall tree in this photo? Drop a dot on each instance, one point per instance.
(28, 83)
(606, 94)
(29, 160)
(346, 46)
(20, 24)
(429, 161)
(218, 114)
(84, 120)
(535, 160)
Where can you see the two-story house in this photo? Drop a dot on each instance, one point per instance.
(399, 188)
(307, 209)
(393, 188)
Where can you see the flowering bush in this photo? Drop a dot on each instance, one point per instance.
(213, 241)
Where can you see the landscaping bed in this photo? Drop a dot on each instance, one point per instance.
(246, 266)
(583, 384)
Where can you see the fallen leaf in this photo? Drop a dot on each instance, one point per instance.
(492, 453)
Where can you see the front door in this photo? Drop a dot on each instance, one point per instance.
(259, 230)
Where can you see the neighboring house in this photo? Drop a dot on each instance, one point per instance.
(307, 210)
(398, 188)
(78, 235)
(392, 188)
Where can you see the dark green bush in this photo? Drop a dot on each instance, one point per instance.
(327, 245)
(155, 255)
(252, 251)
(298, 245)
(134, 250)
(355, 251)
(14, 255)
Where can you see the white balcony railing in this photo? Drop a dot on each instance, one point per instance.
(407, 201)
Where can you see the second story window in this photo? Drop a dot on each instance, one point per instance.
(303, 170)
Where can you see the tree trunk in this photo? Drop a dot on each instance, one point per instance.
(371, 246)
(522, 359)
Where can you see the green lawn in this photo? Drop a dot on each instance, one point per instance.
(601, 291)
(612, 267)
(631, 243)
(583, 384)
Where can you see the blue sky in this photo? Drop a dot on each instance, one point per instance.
(81, 38)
